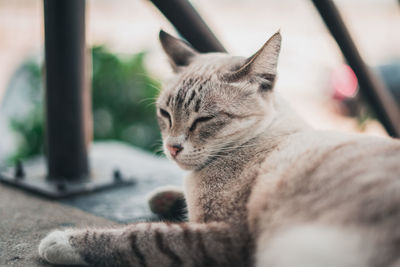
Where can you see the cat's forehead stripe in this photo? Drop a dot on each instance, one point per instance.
(185, 93)
(197, 106)
(193, 94)
(182, 92)
(169, 100)
(180, 97)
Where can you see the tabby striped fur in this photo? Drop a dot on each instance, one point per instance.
(263, 189)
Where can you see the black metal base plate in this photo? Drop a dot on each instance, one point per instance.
(34, 179)
(109, 161)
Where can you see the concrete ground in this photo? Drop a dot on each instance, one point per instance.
(26, 219)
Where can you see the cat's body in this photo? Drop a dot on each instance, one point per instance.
(264, 189)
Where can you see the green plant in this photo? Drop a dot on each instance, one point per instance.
(122, 102)
(122, 97)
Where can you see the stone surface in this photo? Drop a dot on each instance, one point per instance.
(129, 203)
(25, 219)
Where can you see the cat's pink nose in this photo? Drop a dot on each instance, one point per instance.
(174, 150)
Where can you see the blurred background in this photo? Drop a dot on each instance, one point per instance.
(129, 66)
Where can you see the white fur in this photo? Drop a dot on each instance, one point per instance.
(142, 227)
(312, 246)
(55, 248)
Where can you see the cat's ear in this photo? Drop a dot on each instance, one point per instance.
(179, 52)
(261, 67)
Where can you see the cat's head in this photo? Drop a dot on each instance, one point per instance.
(216, 102)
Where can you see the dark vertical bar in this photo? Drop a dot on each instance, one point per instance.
(371, 87)
(65, 81)
(189, 23)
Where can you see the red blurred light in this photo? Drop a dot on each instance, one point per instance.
(344, 82)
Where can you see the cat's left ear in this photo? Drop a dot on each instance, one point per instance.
(261, 67)
(179, 52)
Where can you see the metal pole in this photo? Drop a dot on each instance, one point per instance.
(375, 92)
(65, 81)
(189, 23)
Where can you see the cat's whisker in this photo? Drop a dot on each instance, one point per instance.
(151, 99)
(158, 89)
(150, 78)
(229, 148)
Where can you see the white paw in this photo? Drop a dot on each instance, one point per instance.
(55, 248)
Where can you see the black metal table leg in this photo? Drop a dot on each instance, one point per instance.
(189, 23)
(371, 87)
(65, 80)
(67, 158)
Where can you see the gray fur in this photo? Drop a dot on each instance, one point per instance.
(264, 189)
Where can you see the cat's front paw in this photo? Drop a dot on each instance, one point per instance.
(56, 248)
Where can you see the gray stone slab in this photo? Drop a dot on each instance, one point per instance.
(25, 219)
(128, 203)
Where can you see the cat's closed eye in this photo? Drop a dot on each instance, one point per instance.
(166, 115)
(199, 120)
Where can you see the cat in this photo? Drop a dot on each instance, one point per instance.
(263, 188)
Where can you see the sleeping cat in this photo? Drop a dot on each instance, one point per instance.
(263, 189)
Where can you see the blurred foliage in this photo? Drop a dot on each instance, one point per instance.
(123, 96)
(29, 126)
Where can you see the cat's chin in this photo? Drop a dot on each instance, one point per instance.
(192, 166)
(186, 167)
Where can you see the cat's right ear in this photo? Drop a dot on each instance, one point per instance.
(261, 67)
(179, 52)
